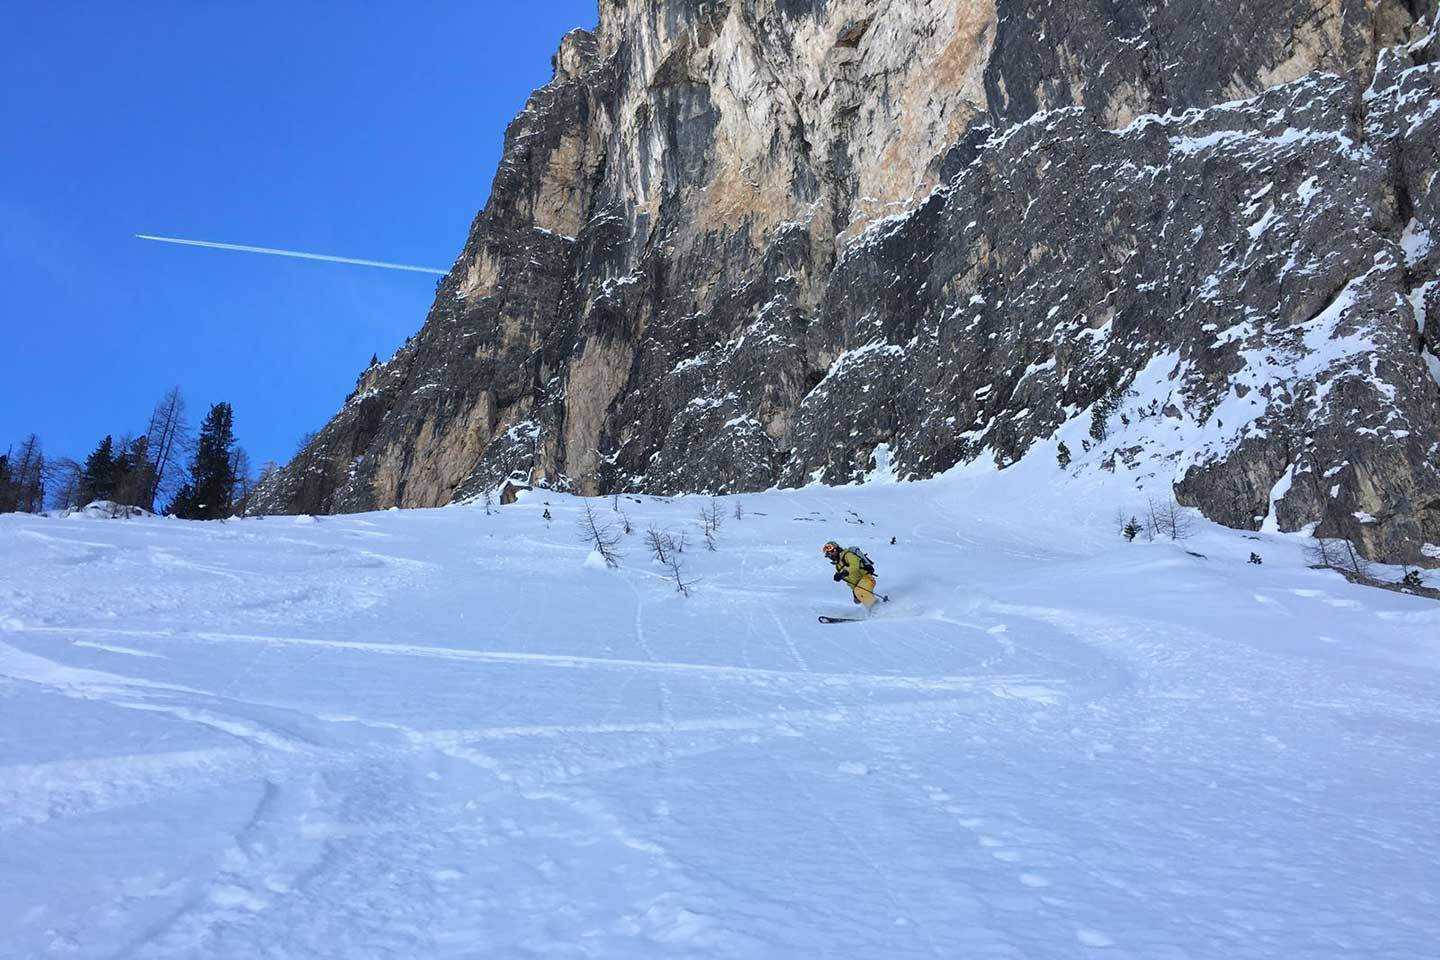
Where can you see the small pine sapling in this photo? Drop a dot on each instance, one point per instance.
(1062, 455)
(1131, 530)
(1413, 578)
(1255, 558)
(547, 517)
(1100, 416)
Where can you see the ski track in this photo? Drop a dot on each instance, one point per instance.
(227, 740)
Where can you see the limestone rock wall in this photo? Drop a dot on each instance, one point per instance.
(737, 243)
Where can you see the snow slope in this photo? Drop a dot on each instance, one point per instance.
(441, 734)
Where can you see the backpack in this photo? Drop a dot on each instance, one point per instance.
(864, 560)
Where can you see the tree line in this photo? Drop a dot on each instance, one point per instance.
(204, 476)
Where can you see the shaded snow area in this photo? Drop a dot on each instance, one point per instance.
(443, 734)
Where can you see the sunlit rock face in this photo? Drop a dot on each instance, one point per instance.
(740, 243)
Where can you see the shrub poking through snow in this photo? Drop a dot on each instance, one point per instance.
(547, 517)
(603, 538)
(1131, 530)
(1062, 455)
(1413, 578)
(1255, 558)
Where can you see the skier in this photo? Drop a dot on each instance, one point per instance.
(854, 568)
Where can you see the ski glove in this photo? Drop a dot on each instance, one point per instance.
(839, 575)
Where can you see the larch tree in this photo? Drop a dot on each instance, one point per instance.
(166, 436)
(28, 471)
(65, 477)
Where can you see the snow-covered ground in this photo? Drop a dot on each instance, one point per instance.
(442, 734)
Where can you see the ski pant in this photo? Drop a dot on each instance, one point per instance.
(865, 591)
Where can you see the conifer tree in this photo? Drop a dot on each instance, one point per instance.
(182, 505)
(211, 491)
(97, 482)
(134, 474)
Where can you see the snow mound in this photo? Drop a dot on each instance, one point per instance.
(109, 509)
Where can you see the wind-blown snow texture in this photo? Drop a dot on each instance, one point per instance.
(742, 243)
(440, 733)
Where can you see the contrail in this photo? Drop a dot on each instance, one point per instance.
(293, 253)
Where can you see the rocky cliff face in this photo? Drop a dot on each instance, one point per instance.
(737, 243)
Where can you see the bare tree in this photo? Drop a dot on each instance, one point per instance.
(28, 476)
(660, 544)
(1169, 519)
(625, 525)
(739, 510)
(1355, 561)
(675, 569)
(488, 499)
(64, 483)
(245, 482)
(1338, 554)
(711, 519)
(168, 435)
(1152, 524)
(603, 538)
(7, 484)
(713, 516)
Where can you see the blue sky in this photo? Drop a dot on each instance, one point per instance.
(367, 131)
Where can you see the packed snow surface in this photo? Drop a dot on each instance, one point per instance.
(443, 733)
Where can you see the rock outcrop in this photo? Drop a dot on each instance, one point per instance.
(736, 243)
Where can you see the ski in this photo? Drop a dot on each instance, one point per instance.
(840, 619)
